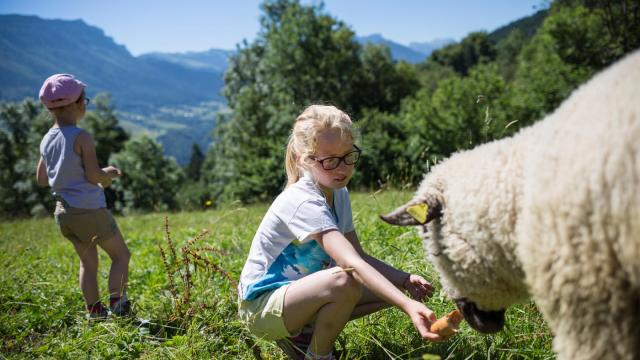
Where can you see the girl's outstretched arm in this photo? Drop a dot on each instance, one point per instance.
(416, 285)
(346, 256)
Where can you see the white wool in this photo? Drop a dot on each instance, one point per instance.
(552, 213)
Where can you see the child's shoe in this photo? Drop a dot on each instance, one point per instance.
(120, 306)
(96, 311)
(311, 356)
(295, 347)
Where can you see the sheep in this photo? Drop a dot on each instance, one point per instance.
(551, 213)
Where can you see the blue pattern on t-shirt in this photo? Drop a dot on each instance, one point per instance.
(295, 261)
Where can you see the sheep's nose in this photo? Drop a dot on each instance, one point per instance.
(487, 322)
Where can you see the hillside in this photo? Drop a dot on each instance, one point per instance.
(527, 25)
(217, 60)
(430, 46)
(214, 60)
(411, 54)
(161, 98)
(32, 48)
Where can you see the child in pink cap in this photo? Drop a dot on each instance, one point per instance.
(69, 164)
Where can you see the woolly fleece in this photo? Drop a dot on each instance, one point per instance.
(552, 213)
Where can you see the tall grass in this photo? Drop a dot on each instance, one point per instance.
(42, 313)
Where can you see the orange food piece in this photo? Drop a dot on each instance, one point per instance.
(447, 325)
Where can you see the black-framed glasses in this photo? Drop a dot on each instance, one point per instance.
(332, 162)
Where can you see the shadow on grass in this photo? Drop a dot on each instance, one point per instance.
(160, 330)
(164, 331)
(416, 350)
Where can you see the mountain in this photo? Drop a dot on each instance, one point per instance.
(528, 25)
(398, 51)
(428, 47)
(214, 60)
(32, 48)
(217, 60)
(165, 99)
(418, 51)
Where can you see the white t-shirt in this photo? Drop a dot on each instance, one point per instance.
(282, 250)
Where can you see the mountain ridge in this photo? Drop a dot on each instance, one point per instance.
(33, 48)
(215, 60)
(427, 47)
(399, 51)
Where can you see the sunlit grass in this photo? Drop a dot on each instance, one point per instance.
(42, 316)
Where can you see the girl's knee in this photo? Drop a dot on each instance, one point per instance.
(346, 286)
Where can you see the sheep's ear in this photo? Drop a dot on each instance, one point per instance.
(415, 212)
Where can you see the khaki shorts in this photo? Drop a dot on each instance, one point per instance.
(263, 315)
(85, 225)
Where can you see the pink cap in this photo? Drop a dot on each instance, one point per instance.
(60, 90)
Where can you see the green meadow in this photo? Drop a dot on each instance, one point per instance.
(185, 299)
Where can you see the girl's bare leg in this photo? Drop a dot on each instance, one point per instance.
(88, 274)
(119, 272)
(368, 304)
(328, 295)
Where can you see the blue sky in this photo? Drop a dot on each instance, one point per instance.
(196, 25)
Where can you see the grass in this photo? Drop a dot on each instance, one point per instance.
(42, 316)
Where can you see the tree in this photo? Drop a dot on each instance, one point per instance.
(475, 48)
(102, 123)
(430, 74)
(468, 111)
(461, 113)
(621, 21)
(195, 163)
(384, 160)
(150, 180)
(22, 126)
(109, 137)
(573, 43)
(384, 83)
(507, 51)
(7, 175)
(301, 56)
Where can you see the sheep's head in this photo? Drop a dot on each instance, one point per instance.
(458, 237)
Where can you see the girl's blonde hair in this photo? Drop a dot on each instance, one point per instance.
(314, 120)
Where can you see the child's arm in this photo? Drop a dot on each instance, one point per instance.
(41, 173)
(416, 285)
(94, 174)
(394, 275)
(346, 256)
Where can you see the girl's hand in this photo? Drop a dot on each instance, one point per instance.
(422, 318)
(112, 171)
(418, 287)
